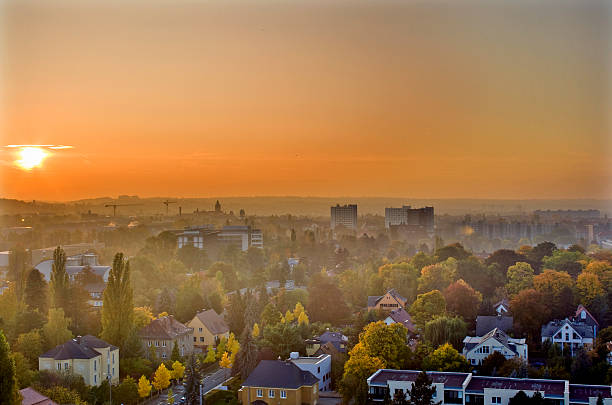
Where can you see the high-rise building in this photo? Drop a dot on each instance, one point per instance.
(422, 218)
(345, 215)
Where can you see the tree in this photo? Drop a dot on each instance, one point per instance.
(445, 329)
(530, 311)
(563, 260)
(270, 315)
(118, 306)
(519, 399)
(60, 283)
(161, 378)
(8, 382)
(446, 358)
(189, 300)
(127, 392)
(225, 361)
(192, 383)
(63, 395)
(235, 313)
(170, 399)
(18, 262)
(36, 291)
(438, 276)
(31, 346)
(426, 307)
(399, 398)
(211, 356)
(357, 369)
(56, 329)
(325, 303)
(386, 342)
(462, 299)
(520, 277)
(504, 258)
(255, 332)
(178, 370)
(144, 387)
(246, 358)
(588, 288)
(283, 339)
(175, 356)
(422, 390)
(551, 283)
(492, 364)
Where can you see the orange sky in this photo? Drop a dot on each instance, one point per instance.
(271, 97)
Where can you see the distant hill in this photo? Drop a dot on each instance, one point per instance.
(316, 206)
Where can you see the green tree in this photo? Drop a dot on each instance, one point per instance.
(426, 307)
(36, 291)
(56, 329)
(445, 329)
(519, 399)
(175, 356)
(192, 382)
(520, 277)
(60, 283)
(8, 383)
(31, 346)
(456, 251)
(492, 364)
(324, 304)
(270, 315)
(189, 299)
(282, 339)
(247, 356)
(23, 371)
(126, 392)
(438, 276)
(446, 358)
(18, 262)
(422, 390)
(118, 306)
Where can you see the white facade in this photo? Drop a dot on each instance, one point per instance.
(567, 336)
(345, 215)
(319, 366)
(476, 349)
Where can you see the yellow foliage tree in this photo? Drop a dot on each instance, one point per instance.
(255, 332)
(144, 387)
(588, 288)
(225, 361)
(211, 356)
(303, 319)
(289, 316)
(161, 379)
(299, 309)
(142, 316)
(283, 320)
(178, 370)
(161, 315)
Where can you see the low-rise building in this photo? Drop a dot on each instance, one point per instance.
(402, 317)
(92, 358)
(163, 333)
(328, 339)
(319, 366)
(390, 301)
(476, 348)
(208, 328)
(279, 382)
(502, 307)
(29, 396)
(468, 389)
(486, 323)
(74, 265)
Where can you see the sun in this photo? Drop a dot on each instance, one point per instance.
(30, 157)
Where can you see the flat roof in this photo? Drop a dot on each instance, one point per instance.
(548, 387)
(582, 393)
(449, 379)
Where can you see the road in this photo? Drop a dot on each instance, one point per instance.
(178, 391)
(212, 380)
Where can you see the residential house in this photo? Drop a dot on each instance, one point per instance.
(402, 317)
(502, 307)
(96, 294)
(328, 339)
(319, 366)
(92, 358)
(579, 331)
(476, 349)
(162, 333)
(485, 324)
(208, 328)
(469, 389)
(29, 396)
(74, 265)
(390, 301)
(279, 382)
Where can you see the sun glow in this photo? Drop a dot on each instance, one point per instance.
(30, 157)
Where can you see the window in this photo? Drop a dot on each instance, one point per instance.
(59, 366)
(195, 339)
(113, 370)
(164, 355)
(200, 330)
(283, 394)
(149, 343)
(259, 393)
(95, 379)
(95, 365)
(270, 393)
(201, 339)
(157, 343)
(164, 343)
(567, 336)
(318, 370)
(485, 349)
(314, 388)
(496, 400)
(113, 358)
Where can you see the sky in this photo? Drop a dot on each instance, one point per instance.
(428, 99)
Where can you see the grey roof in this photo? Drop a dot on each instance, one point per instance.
(279, 374)
(78, 348)
(485, 324)
(213, 322)
(402, 317)
(552, 327)
(165, 328)
(503, 302)
(337, 339)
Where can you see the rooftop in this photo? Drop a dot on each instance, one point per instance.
(166, 328)
(449, 379)
(548, 387)
(213, 322)
(78, 348)
(279, 374)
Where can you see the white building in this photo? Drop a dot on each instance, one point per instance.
(74, 265)
(319, 366)
(206, 236)
(578, 332)
(345, 215)
(466, 388)
(476, 349)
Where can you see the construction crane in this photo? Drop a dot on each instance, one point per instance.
(117, 205)
(167, 204)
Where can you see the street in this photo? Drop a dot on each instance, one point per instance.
(212, 380)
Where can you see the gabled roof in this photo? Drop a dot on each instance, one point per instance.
(94, 342)
(32, 397)
(402, 317)
(503, 302)
(164, 328)
(583, 308)
(485, 324)
(71, 350)
(337, 339)
(213, 322)
(279, 374)
(373, 300)
(552, 327)
(497, 334)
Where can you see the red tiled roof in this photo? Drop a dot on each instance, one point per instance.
(32, 397)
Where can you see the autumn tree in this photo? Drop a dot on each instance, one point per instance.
(144, 387)
(552, 284)
(588, 288)
(520, 277)
(386, 342)
(56, 329)
(118, 306)
(438, 276)
(357, 369)
(446, 358)
(492, 364)
(530, 311)
(426, 307)
(60, 283)
(178, 370)
(161, 378)
(462, 299)
(31, 346)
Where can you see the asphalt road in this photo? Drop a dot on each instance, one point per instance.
(177, 390)
(212, 380)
